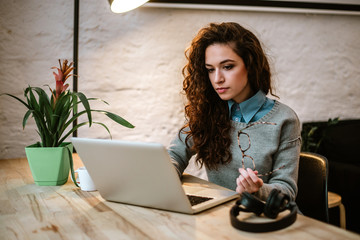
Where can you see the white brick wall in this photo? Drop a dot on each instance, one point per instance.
(134, 62)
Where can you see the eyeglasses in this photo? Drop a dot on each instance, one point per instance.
(244, 156)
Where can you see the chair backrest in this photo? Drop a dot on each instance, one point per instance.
(312, 198)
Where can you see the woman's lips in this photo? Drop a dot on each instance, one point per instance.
(221, 90)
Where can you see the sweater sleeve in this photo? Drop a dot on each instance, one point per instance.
(288, 153)
(180, 153)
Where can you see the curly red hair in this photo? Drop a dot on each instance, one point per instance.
(208, 122)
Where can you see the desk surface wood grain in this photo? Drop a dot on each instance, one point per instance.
(28, 211)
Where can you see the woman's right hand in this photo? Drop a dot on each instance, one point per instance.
(248, 181)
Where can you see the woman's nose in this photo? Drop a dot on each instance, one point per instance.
(219, 77)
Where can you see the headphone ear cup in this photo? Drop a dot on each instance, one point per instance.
(252, 203)
(274, 203)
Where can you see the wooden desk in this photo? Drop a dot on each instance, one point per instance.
(28, 211)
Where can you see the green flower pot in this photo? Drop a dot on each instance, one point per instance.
(49, 165)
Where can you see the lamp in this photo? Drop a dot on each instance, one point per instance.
(121, 6)
(117, 6)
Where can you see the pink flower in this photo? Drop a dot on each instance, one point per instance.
(61, 76)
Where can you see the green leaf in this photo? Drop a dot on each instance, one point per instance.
(10, 95)
(62, 121)
(107, 129)
(60, 104)
(98, 99)
(116, 118)
(86, 105)
(42, 94)
(119, 119)
(33, 101)
(71, 131)
(45, 106)
(72, 120)
(26, 116)
(80, 125)
(74, 104)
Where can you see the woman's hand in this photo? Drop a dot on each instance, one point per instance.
(248, 181)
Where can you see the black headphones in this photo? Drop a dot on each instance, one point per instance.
(275, 203)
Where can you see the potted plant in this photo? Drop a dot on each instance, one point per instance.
(54, 115)
(313, 133)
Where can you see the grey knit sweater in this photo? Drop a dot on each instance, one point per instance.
(271, 147)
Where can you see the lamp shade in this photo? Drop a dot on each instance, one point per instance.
(120, 6)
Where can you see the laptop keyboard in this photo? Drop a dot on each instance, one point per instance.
(194, 200)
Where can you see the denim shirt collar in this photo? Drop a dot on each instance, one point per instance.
(249, 107)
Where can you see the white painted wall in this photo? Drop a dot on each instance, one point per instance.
(134, 62)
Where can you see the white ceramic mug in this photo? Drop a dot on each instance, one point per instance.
(84, 180)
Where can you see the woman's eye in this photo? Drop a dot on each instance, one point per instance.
(228, 67)
(210, 70)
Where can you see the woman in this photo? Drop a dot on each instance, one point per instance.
(246, 141)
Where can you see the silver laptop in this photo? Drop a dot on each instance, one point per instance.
(142, 174)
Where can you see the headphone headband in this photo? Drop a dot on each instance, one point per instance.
(262, 227)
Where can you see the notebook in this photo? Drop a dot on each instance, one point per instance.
(142, 174)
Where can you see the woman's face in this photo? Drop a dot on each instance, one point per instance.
(227, 73)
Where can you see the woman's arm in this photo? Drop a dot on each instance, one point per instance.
(287, 154)
(180, 154)
(286, 179)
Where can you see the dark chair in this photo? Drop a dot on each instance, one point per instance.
(312, 198)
